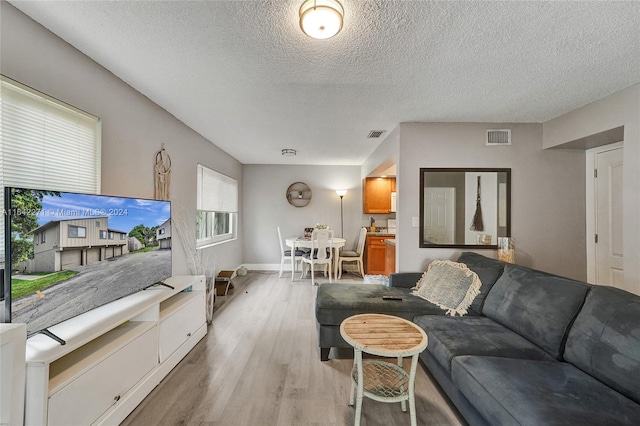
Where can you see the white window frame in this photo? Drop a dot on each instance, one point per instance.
(78, 229)
(216, 194)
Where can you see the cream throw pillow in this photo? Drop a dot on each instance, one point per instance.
(449, 285)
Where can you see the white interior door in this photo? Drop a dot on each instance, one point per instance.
(609, 229)
(440, 215)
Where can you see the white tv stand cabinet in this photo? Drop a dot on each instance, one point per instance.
(114, 355)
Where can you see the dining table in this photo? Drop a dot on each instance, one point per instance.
(302, 242)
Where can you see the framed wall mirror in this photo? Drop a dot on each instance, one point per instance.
(464, 207)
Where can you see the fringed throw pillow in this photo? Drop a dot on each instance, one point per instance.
(449, 285)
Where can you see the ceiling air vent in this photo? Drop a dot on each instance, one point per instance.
(498, 136)
(375, 134)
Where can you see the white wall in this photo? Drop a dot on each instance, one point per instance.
(380, 160)
(384, 156)
(620, 109)
(547, 192)
(133, 127)
(266, 207)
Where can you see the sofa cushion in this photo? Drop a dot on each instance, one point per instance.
(536, 305)
(336, 302)
(449, 285)
(524, 392)
(404, 279)
(475, 259)
(604, 340)
(487, 269)
(453, 336)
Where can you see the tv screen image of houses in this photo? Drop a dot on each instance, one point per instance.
(71, 253)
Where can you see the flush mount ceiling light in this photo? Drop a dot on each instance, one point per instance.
(321, 19)
(288, 152)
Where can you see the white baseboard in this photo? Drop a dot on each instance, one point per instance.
(266, 266)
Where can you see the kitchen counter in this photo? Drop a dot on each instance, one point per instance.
(381, 234)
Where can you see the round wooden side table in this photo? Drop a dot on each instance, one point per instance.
(386, 336)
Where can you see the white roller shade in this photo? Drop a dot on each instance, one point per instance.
(46, 144)
(216, 192)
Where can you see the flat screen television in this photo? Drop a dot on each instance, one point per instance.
(70, 253)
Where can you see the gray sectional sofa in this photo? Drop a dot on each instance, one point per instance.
(535, 349)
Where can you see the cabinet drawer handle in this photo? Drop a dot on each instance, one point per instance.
(116, 398)
(188, 334)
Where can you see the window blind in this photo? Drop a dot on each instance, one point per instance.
(216, 192)
(45, 144)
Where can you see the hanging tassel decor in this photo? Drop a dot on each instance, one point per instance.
(162, 175)
(476, 224)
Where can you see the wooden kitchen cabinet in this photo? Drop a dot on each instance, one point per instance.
(376, 195)
(376, 254)
(390, 258)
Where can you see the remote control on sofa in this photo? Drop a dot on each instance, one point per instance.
(392, 298)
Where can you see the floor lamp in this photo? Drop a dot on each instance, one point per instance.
(341, 193)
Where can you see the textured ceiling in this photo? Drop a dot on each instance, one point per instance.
(242, 73)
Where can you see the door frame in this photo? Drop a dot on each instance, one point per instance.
(590, 191)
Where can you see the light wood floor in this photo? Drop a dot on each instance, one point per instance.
(260, 365)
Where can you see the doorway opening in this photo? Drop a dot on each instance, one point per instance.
(605, 228)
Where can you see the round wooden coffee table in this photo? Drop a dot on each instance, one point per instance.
(386, 336)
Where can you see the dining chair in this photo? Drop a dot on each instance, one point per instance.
(321, 253)
(354, 256)
(286, 254)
